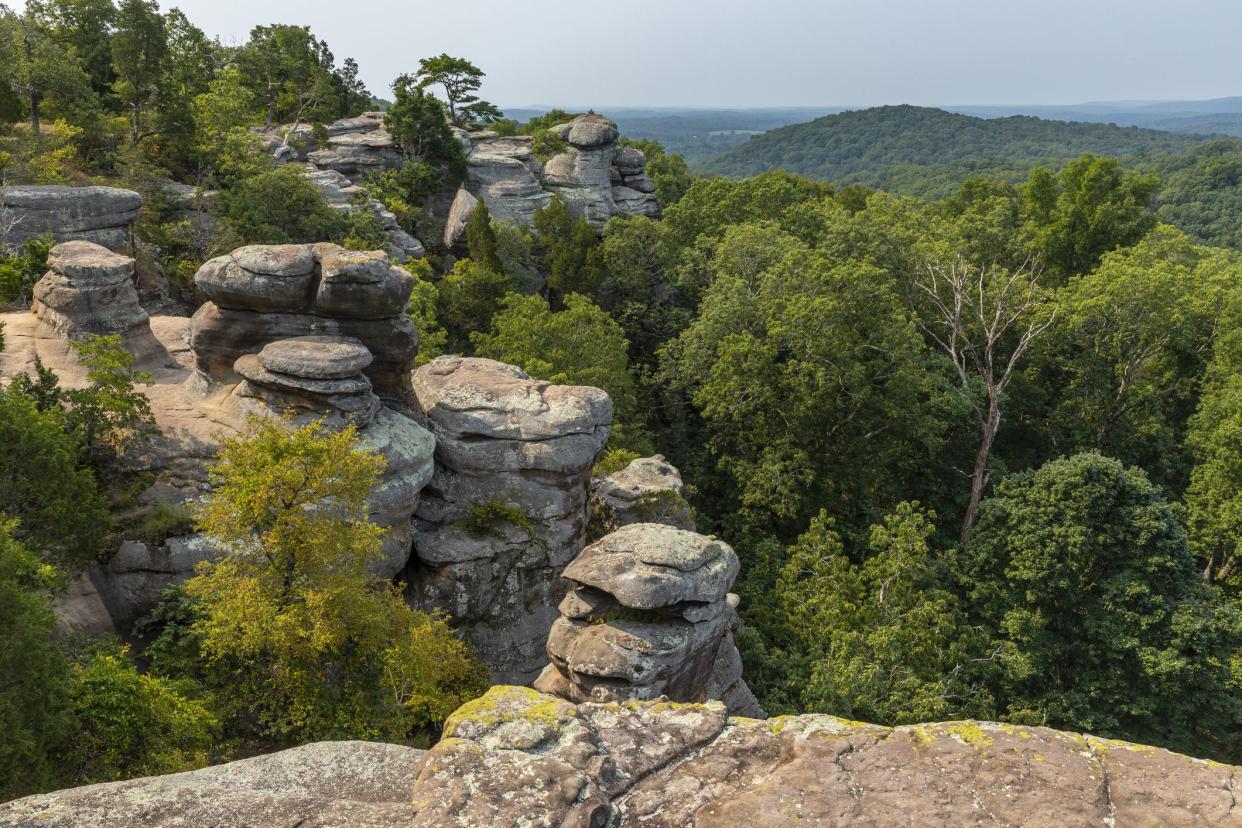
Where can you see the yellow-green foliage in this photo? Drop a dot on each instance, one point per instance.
(296, 633)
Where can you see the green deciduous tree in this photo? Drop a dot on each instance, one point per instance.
(1102, 620)
(580, 345)
(569, 249)
(280, 206)
(110, 412)
(468, 298)
(297, 640)
(884, 640)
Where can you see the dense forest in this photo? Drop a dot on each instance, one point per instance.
(929, 153)
(980, 456)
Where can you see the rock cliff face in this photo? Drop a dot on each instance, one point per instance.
(516, 757)
(507, 507)
(102, 215)
(324, 785)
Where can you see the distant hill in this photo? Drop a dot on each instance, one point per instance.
(927, 152)
(1218, 115)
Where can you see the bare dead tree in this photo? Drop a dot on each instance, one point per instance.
(985, 321)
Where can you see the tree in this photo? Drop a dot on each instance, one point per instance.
(668, 171)
(1093, 205)
(481, 239)
(40, 65)
(1213, 504)
(110, 412)
(87, 26)
(468, 298)
(569, 249)
(460, 79)
(1101, 619)
(985, 320)
(223, 142)
(418, 124)
(580, 345)
(62, 516)
(34, 706)
(297, 640)
(139, 48)
(1119, 371)
(885, 640)
(808, 373)
(280, 206)
(127, 724)
(290, 71)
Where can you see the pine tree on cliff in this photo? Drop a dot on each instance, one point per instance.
(481, 239)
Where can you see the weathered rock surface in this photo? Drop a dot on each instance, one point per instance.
(459, 215)
(343, 195)
(517, 757)
(88, 289)
(507, 507)
(263, 293)
(313, 375)
(102, 215)
(647, 616)
(595, 178)
(648, 490)
(322, 785)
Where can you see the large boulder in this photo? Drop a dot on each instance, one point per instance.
(324, 785)
(517, 757)
(88, 289)
(648, 490)
(103, 215)
(507, 507)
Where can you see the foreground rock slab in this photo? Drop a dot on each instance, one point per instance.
(323, 785)
(517, 757)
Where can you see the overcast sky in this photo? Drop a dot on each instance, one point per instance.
(780, 52)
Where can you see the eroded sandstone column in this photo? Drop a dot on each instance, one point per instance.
(506, 509)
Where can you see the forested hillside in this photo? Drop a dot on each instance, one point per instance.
(929, 153)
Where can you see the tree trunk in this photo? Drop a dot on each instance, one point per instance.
(978, 478)
(35, 127)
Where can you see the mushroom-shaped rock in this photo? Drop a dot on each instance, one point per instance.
(259, 278)
(591, 130)
(507, 507)
(88, 289)
(650, 566)
(102, 215)
(313, 374)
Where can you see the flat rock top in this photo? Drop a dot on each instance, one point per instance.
(471, 396)
(517, 756)
(276, 259)
(646, 474)
(359, 266)
(592, 131)
(86, 260)
(81, 200)
(363, 784)
(650, 565)
(317, 357)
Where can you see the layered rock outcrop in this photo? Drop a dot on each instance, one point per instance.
(345, 196)
(323, 785)
(594, 178)
(517, 757)
(647, 615)
(88, 289)
(103, 215)
(648, 490)
(263, 293)
(506, 510)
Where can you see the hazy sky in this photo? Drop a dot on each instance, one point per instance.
(780, 52)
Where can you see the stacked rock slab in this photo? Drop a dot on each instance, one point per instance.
(594, 178)
(345, 196)
(645, 617)
(504, 172)
(316, 375)
(102, 215)
(507, 507)
(88, 289)
(517, 757)
(648, 490)
(263, 293)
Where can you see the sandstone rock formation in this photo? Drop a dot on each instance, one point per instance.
(504, 172)
(507, 507)
(517, 757)
(343, 196)
(263, 293)
(88, 289)
(323, 785)
(648, 490)
(316, 375)
(647, 615)
(102, 215)
(594, 178)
